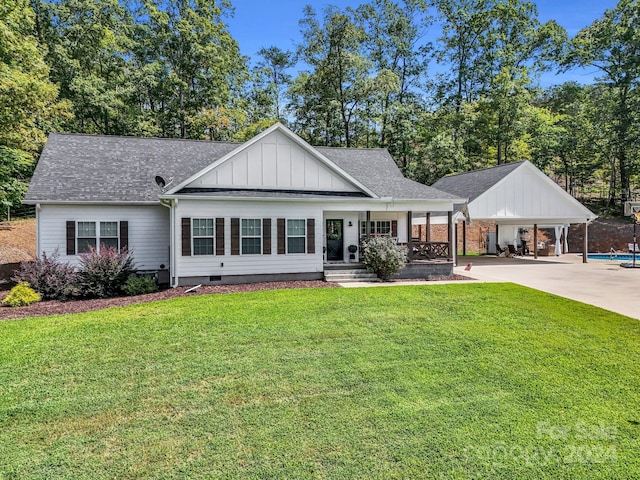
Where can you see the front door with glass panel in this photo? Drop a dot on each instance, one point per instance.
(335, 247)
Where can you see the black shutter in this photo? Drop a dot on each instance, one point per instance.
(282, 238)
(235, 236)
(186, 237)
(311, 235)
(394, 228)
(266, 236)
(219, 236)
(124, 235)
(71, 237)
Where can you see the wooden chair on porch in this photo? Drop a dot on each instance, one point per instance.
(501, 251)
(513, 252)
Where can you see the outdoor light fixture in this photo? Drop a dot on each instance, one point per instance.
(350, 223)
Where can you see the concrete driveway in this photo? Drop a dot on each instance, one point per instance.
(602, 283)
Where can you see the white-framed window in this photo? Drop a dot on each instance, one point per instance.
(96, 235)
(376, 227)
(203, 239)
(296, 236)
(251, 236)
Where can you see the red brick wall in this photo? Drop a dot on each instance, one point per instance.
(603, 235)
(476, 235)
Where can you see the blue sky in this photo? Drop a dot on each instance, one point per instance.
(260, 23)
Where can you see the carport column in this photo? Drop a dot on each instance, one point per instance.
(450, 235)
(585, 246)
(428, 227)
(409, 236)
(535, 240)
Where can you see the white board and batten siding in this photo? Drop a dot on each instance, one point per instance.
(527, 194)
(275, 162)
(149, 235)
(227, 264)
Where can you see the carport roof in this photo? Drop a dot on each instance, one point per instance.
(515, 194)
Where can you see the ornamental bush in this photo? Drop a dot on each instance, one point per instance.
(21, 295)
(139, 285)
(47, 276)
(103, 274)
(382, 256)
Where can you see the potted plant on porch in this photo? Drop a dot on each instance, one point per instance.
(352, 251)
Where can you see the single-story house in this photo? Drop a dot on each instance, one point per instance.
(515, 196)
(202, 212)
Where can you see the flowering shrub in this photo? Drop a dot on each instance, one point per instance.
(383, 257)
(47, 276)
(21, 295)
(103, 274)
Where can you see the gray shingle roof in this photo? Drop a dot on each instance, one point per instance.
(99, 168)
(376, 169)
(475, 183)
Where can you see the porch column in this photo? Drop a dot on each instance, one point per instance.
(451, 234)
(367, 228)
(585, 246)
(428, 227)
(535, 240)
(464, 238)
(497, 234)
(409, 236)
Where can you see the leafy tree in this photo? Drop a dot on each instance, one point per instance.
(88, 42)
(393, 44)
(464, 24)
(273, 76)
(28, 99)
(441, 156)
(330, 101)
(516, 46)
(612, 45)
(579, 148)
(192, 66)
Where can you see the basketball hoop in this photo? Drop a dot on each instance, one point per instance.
(632, 209)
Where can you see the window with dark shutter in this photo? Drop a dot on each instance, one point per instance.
(219, 236)
(266, 236)
(186, 237)
(311, 235)
(282, 238)
(235, 236)
(71, 237)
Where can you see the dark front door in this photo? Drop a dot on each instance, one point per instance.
(335, 246)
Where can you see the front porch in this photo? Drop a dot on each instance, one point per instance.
(345, 232)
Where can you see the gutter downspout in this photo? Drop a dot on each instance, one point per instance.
(38, 208)
(170, 204)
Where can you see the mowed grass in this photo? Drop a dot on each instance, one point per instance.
(440, 381)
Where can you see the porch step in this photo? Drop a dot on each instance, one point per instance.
(349, 275)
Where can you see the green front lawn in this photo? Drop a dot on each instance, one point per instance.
(439, 381)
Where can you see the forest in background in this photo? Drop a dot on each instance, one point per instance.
(362, 77)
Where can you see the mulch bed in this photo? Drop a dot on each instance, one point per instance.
(56, 307)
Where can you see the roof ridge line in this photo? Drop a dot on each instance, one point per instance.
(484, 169)
(132, 137)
